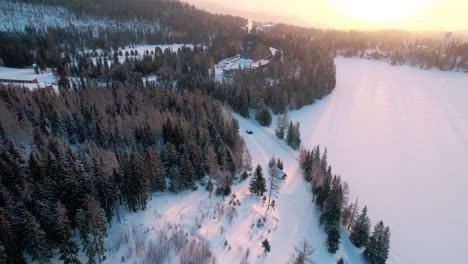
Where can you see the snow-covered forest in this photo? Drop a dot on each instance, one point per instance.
(128, 141)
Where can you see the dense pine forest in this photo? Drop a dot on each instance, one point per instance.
(94, 150)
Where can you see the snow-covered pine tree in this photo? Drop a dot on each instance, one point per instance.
(257, 183)
(279, 164)
(361, 229)
(281, 125)
(36, 241)
(188, 173)
(333, 239)
(379, 245)
(156, 171)
(266, 245)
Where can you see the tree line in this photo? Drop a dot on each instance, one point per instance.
(330, 194)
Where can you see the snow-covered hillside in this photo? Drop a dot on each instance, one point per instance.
(399, 137)
(16, 16)
(235, 227)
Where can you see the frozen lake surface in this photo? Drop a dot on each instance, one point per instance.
(399, 137)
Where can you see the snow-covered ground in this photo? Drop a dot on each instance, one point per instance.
(234, 221)
(399, 136)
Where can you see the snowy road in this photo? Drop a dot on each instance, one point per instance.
(399, 136)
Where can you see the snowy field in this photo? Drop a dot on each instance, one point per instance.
(399, 136)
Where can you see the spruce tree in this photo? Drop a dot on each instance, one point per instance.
(257, 183)
(361, 229)
(156, 171)
(333, 239)
(176, 181)
(188, 173)
(263, 116)
(35, 238)
(266, 245)
(281, 126)
(9, 240)
(279, 164)
(379, 245)
(92, 226)
(68, 248)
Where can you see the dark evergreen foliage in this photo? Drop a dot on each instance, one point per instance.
(116, 135)
(266, 245)
(379, 244)
(257, 183)
(263, 117)
(361, 229)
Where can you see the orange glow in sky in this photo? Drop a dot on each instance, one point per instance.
(362, 14)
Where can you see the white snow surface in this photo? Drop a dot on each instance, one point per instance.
(295, 217)
(399, 137)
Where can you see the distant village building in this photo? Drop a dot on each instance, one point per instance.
(19, 80)
(254, 48)
(254, 54)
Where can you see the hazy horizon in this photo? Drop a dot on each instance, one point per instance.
(415, 15)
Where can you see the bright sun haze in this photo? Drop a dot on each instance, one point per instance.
(384, 12)
(362, 14)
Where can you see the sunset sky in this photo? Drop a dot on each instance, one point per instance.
(437, 15)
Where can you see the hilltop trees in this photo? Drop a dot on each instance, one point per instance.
(361, 229)
(379, 244)
(331, 195)
(257, 183)
(293, 137)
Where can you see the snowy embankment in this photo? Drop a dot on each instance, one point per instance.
(235, 227)
(399, 137)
